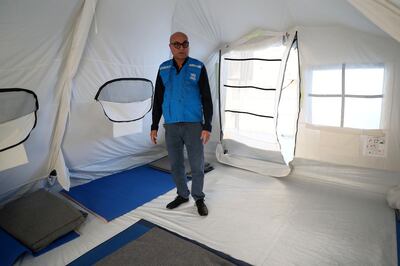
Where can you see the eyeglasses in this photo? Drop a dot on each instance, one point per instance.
(178, 45)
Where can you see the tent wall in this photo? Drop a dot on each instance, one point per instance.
(337, 45)
(33, 40)
(217, 23)
(135, 50)
(344, 35)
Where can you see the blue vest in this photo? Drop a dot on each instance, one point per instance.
(182, 100)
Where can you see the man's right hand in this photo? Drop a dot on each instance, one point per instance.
(153, 136)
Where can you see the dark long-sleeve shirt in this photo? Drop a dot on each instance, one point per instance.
(205, 94)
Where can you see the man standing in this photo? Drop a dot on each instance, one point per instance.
(183, 97)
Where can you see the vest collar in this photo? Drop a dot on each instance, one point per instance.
(176, 65)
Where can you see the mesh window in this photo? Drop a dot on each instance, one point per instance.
(18, 109)
(126, 99)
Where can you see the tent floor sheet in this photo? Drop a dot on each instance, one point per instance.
(262, 221)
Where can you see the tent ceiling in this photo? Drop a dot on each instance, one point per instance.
(329, 13)
(210, 24)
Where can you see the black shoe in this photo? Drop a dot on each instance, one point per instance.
(201, 207)
(176, 202)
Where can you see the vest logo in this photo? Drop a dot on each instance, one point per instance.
(193, 76)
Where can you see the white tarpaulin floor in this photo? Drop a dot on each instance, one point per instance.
(263, 221)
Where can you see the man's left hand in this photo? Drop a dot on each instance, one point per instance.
(205, 136)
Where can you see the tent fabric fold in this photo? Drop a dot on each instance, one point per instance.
(64, 88)
(384, 13)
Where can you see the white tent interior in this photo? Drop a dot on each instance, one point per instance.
(346, 156)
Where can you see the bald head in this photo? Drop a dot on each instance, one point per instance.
(177, 35)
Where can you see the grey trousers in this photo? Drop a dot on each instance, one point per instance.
(177, 136)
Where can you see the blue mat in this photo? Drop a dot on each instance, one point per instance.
(11, 249)
(117, 194)
(130, 234)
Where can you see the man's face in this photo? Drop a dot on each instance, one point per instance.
(179, 46)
